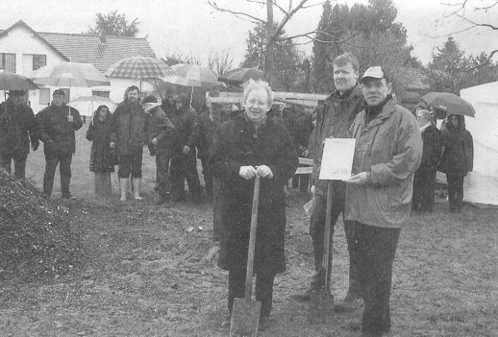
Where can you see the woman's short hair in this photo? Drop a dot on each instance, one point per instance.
(252, 85)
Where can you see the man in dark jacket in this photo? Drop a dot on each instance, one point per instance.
(425, 177)
(129, 137)
(334, 119)
(160, 139)
(183, 161)
(17, 128)
(58, 123)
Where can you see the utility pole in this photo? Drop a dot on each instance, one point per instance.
(268, 69)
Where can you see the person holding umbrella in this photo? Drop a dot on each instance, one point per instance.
(128, 137)
(18, 128)
(58, 123)
(457, 159)
(249, 145)
(102, 157)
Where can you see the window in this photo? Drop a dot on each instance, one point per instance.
(39, 61)
(44, 96)
(8, 62)
(100, 93)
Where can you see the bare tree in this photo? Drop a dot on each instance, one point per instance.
(273, 29)
(465, 9)
(219, 63)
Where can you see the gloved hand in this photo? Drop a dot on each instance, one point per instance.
(186, 149)
(247, 172)
(264, 171)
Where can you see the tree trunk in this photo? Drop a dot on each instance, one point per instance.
(269, 42)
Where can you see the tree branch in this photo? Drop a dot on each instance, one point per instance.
(251, 18)
(286, 19)
(280, 7)
(259, 2)
(476, 24)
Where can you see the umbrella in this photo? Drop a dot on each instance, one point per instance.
(86, 105)
(241, 75)
(449, 103)
(10, 81)
(70, 74)
(138, 68)
(190, 75)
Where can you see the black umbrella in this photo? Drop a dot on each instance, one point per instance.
(449, 103)
(11, 81)
(241, 75)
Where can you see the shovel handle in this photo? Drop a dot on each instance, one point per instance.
(326, 236)
(252, 238)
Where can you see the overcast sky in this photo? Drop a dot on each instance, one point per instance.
(192, 27)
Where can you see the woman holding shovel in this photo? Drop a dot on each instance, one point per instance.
(249, 146)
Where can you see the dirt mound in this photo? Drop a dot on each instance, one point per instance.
(35, 236)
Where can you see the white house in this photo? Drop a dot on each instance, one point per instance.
(23, 50)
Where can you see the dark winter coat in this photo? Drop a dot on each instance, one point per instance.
(129, 128)
(299, 125)
(334, 119)
(56, 131)
(207, 130)
(17, 127)
(159, 126)
(458, 150)
(237, 144)
(102, 157)
(187, 127)
(432, 145)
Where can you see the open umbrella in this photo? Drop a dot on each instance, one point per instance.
(11, 81)
(138, 68)
(241, 75)
(449, 103)
(86, 105)
(70, 74)
(190, 75)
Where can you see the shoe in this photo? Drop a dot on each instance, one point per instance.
(348, 305)
(304, 297)
(264, 323)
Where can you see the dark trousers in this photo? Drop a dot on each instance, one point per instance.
(455, 191)
(218, 204)
(264, 289)
(64, 161)
(317, 231)
(184, 166)
(374, 254)
(130, 164)
(423, 190)
(19, 164)
(162, 173)
(208, 176)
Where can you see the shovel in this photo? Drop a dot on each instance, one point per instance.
(321, 300)
(245, 313)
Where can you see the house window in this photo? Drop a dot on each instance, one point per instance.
(39, 61)
(44, 96)
(101, 93)
(8, 62)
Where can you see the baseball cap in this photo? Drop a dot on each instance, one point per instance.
(373, 72)
(59, 92)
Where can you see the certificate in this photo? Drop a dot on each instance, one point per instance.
(337, 159)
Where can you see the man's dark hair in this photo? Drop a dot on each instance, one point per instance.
(130, 88)
(347, 58)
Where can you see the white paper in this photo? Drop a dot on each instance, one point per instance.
(337, 159)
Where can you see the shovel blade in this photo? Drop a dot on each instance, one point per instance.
(245, 318)
(321, 306)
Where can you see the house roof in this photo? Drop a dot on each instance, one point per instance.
(89, 48)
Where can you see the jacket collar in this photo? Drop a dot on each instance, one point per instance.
(335, 95)
(388, 109)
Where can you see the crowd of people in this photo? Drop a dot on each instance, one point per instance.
(396, 157)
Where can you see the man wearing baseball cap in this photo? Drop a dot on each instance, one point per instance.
(17, 130)
(378, 195)
(58, 123)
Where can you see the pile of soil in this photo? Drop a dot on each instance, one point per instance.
(36, 240)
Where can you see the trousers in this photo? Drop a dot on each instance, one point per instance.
(184, 166)
(51, 162)
(19, 164)
(455, 191)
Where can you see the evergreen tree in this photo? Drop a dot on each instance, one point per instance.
(114, 23)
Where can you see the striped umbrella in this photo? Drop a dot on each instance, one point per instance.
(138, 68)
(190, 75)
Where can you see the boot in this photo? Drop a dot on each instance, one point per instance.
(136, 188)
(123, 188)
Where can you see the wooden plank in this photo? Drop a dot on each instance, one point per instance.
(304, 170)
(305, 161)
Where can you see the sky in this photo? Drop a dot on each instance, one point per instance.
(192, 27)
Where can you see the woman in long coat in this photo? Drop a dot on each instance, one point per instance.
(457, 159)
(102, 157)
(244, 147)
